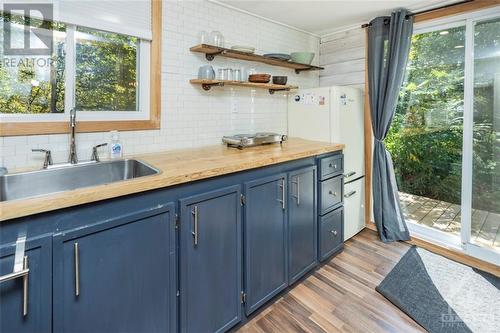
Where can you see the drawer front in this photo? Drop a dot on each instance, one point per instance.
(331, 194)
(331, 166)
(331, 233)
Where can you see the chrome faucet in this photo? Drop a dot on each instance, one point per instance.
(73, 158)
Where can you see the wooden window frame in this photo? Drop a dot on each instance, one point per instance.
(154, 121)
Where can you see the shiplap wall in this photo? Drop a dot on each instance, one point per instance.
(343, 56)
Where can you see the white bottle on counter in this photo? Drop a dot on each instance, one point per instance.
(115, 147)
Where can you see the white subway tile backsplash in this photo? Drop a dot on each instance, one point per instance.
(192, 117)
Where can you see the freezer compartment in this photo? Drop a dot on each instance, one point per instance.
(354, 206)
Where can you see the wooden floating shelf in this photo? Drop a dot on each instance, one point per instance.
(212, 51)
(207, 84)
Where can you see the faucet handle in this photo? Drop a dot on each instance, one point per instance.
(95, 154)
(48, 156)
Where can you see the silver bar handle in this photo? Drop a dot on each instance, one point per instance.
(298, 190)
(24, 274)
(77, 269)
(349, 174)
(350, 194)
(297, 183)
(14, 275)
(282, 200)
(25, 286)
(195, 231)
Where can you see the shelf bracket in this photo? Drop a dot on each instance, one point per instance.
(208, 86)
(299, 70)
(211, 56)
(272, 91)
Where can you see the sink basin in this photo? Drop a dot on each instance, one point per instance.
(29, 184)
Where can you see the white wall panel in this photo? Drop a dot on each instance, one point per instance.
(343, 56)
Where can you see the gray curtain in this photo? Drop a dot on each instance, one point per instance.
(389, 40)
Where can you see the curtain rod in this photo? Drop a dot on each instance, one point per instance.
(366, 25)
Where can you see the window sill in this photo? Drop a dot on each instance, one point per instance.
(34, 128)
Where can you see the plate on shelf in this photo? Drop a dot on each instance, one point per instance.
(278, 56)
(243, 48)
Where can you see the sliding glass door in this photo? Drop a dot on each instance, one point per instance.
(426, 137)
(482, 152)
(445, 137)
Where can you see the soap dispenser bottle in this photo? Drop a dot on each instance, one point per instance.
(115, 148)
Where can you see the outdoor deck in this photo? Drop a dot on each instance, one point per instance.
(445, 217)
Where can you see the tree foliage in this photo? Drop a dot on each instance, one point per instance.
(105, 65)
(426, 137)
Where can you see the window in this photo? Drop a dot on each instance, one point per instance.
(102, 64)
(106, 71)
(32, 85)
(102, 69)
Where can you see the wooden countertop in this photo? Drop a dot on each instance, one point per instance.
(177, 167)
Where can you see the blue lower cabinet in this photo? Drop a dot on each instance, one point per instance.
(26, 301)
(210, 261)
(265, 240)
(117, 276)
(302, 229)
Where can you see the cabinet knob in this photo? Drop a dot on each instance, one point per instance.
(331, 165)
(332, 193)
(334, 232)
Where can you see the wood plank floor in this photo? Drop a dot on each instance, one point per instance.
(445, 216)
(340, 296)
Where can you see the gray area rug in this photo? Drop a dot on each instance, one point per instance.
(442, 295)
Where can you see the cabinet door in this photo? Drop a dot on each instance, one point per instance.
(265, 240)
(37, 314)
(210, 257)
(117, 276)
(302, 230)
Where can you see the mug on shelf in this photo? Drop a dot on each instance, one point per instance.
(206, 72)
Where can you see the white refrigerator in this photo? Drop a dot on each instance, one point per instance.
(335, 114)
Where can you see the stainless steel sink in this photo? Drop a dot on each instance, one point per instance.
(64, 178)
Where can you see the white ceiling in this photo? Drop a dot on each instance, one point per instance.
(325, 16)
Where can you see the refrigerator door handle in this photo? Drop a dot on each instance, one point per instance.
(350, 194)
(349, 174)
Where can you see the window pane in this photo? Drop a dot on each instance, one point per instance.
(31, 84)
(486, 134)
(425, 139)
(106, 71)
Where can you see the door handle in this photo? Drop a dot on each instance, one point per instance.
(297, 183)
(20, 274)
(350, 194)
(282, 186)
(194, 212)
(76, 253)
